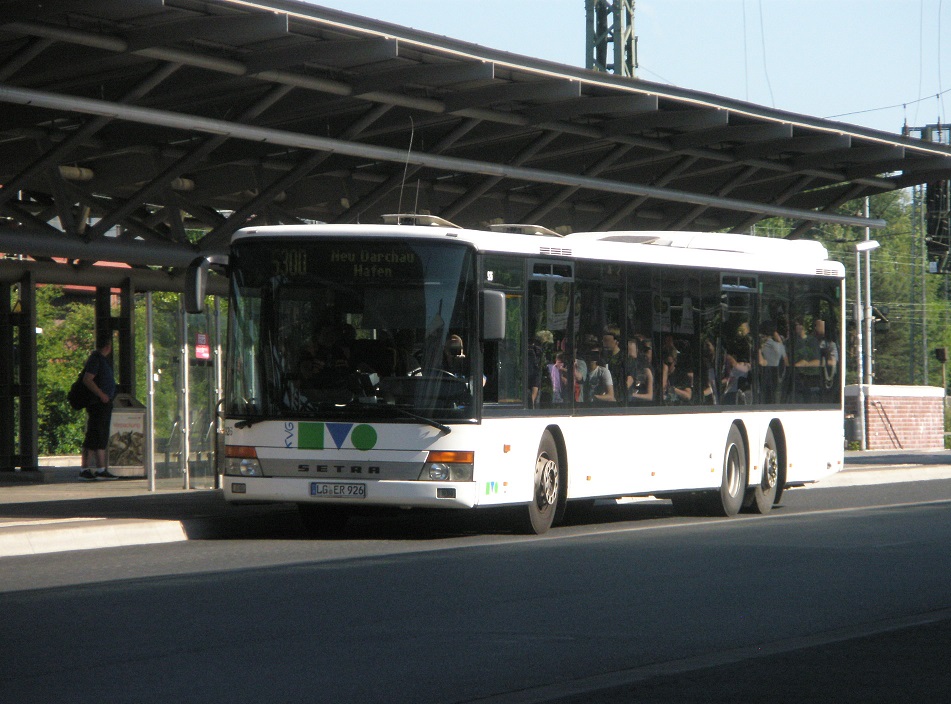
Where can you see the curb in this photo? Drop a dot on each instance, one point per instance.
(65, 535)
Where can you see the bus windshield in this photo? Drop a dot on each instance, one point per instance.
(351, 328)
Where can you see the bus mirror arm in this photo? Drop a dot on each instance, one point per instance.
(196, 281)
(493, 316)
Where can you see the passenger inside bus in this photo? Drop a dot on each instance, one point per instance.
(558, 374)
(677, 383)
(537, 369)
(599, 386)
(611, 355)
(737, 364)
(580, 368)
(773, 361)
(815, 359)
(639, 378)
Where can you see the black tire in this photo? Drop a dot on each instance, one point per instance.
(762, 496)
(729, 499)
(540, 513)
(322, 521)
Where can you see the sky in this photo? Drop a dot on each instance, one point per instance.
(874, 63)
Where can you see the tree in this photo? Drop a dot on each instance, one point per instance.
(67, 339)
(900, 285)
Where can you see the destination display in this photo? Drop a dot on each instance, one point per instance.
(357, 261)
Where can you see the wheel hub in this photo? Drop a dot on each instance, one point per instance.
(546, 476)
(770, 468)
(733, 471)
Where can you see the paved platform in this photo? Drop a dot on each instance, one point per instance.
(69, 514)
(52, 510)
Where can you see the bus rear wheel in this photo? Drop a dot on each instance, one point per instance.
(538, 517)
(729, 499)
(761, 497)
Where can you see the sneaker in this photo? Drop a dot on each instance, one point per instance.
(87, 475)
(105, 474)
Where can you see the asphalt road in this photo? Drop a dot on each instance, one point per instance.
(841, 595)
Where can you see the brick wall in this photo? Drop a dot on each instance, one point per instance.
(901, 417)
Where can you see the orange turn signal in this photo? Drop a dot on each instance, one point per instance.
(246, 452)
(449, 456)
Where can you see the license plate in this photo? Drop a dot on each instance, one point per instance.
(338, 490)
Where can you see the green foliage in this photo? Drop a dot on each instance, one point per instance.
(913, 298)
(68, 338)
(62, 349)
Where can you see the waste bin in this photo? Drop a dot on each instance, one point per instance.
(127, 437)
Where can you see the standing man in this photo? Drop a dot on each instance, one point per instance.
(101, 381)
(611, 356)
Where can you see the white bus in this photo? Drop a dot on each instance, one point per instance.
(430, 366)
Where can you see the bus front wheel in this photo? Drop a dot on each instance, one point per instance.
(540, 513)
(729, 499)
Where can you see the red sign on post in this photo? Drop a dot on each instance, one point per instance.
(202, 348)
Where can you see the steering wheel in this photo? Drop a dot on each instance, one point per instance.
(432, 371)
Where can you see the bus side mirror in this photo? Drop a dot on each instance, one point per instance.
(493, 315)
(196, 282)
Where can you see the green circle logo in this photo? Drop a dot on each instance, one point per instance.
(363, 437)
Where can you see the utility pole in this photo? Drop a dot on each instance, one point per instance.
(931, 233)
(611, 43)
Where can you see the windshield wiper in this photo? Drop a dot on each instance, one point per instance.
(422, 419)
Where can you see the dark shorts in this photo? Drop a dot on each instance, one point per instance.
(97, 426)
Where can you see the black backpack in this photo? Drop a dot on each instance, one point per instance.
(79, 395)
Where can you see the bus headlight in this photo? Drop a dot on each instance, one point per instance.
(243, 467)
(445, 466)
(242, 461)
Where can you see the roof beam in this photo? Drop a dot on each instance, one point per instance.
(434, 74)
(732, 133)
(674, 172)
(400, 178)
(232, 130)
(668, 121)
(339, 53)
(222, 231)
(76, 139)
(512, 92)
(847, 194)
(846, 157)
(917, 168)
(106, 276)
(723, 190)
(183, 164)
(808, 144)
(34, 48)
(605, 163)
(237, 29)
(626, 103)
(473, 194)
(31, 9)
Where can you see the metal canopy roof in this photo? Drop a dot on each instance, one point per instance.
(212, 114)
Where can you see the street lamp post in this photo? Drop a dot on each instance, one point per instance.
(861, 313)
